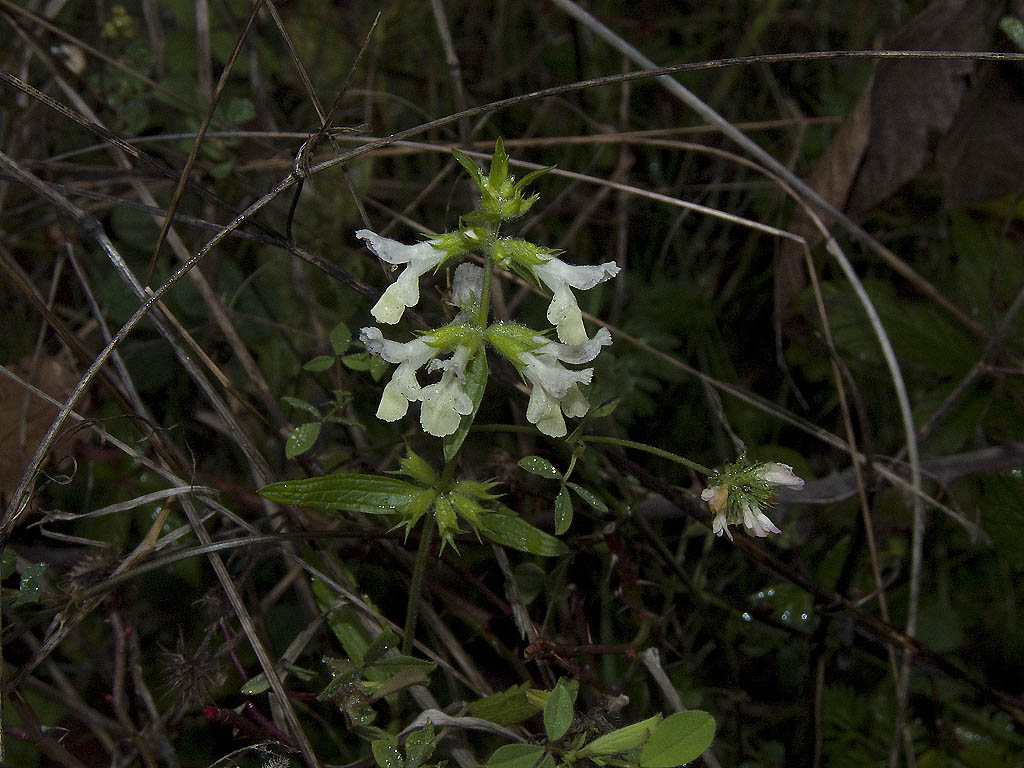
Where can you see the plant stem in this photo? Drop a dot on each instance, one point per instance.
(649, 449)
(416, 584)
(484, 310)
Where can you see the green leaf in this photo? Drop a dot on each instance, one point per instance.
(419, 746)
(319, 363)
(531, 579)
(255, 685)
(563, 511)
(31, 586)
(298, 402)
(378, 367)
(605, 409)
(222, 170)
(506, 707)
(379, 646)
(476, 383)
(510, 530)
(385, 752)
(357, 361)
(622, 739)
(682, 737)
(1013, 28)
(520, 756)
(341, 338)
(532, 176)
(240, 110)
(8, 563)
(589, 497)
(558, 712)
(302, 438)
(401, 679)
(368, 494)
(536, 465)
(343, 623)
(417, 468)
(467, 162)
(499, 164)
(259, 684)
(343, 675)
(393, 664)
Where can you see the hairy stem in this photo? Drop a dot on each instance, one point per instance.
(416, 584)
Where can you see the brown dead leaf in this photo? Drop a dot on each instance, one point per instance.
(24, 417)
(982, 156)
(914, 100)
(887, 138)
(831, 178)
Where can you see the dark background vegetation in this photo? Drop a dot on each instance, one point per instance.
(120, 645)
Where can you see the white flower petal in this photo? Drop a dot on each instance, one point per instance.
(583, 277)
(563, 311)
(390, 306)
(574, 404)
(403, 388)
(394, 252)
(719, 525)
(757, 521)
(577, 354)
(444, 405)
(393, 403)
(781, 474)
(404, 292)
(545, 371)
(467, 285)
(546, 413)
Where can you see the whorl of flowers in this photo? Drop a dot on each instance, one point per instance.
(739, 494)
(452, 350)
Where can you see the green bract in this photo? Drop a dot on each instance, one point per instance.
(501, 195)
(468, 500)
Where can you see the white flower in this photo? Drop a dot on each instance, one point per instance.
(403, 387)
(717, 497)
(405, 291)
(563, 311)
(467, 286)
(446, 402)
(555, 388)
(781, 474)
(756, 520)
(743, 492)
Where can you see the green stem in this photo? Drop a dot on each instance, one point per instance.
(649, 449)
(416, 584)
(484, 310)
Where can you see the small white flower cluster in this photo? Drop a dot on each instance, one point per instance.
(554, 392)
(740, 494)
(555, 388)
(444, 402)
(456, 349)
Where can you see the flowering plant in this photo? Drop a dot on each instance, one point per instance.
(445, 371)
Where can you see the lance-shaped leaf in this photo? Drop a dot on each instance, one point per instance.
(368, 494)
(510, 530)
